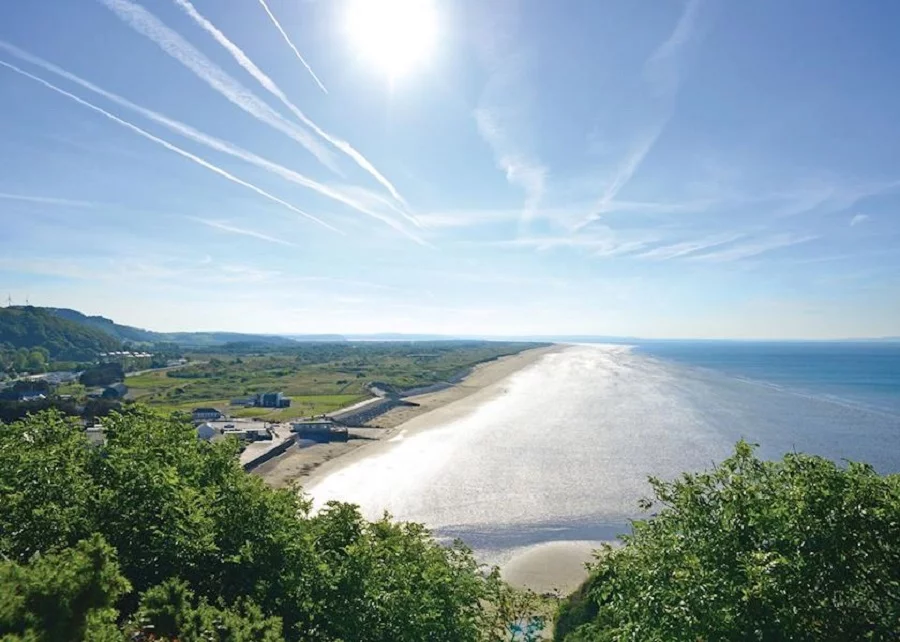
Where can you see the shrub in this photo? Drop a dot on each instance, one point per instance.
(798, 549)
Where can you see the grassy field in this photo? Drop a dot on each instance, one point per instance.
(318, 378)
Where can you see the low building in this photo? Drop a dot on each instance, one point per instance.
(312, 426)
(272, 400)
(206, 414)
(249, 434)
(319, 430)
(207, 432)
(115, 391)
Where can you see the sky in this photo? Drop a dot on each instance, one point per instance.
(673, 168)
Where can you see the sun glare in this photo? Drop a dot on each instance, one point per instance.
(393, 35)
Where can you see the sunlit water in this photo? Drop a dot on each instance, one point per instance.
(565, 452)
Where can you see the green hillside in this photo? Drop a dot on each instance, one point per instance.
(187, 339)
(29, 327)
(108, 326)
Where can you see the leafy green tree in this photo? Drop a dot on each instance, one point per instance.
(62, 596)
(46, 491)
(102, 375)
(20, 360)
(212, 551)
(37, 361)
(798, 549)
(171, 611)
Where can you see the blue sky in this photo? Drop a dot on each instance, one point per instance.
(658, 169)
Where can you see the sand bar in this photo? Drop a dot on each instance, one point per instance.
(550, 568)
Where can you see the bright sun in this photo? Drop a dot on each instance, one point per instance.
(394, 35)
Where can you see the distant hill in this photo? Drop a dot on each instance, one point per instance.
(317, 338)
(399, 336)
(64, 339)
(108, 326)
(187, 339)
(214, 339)
(71, 335)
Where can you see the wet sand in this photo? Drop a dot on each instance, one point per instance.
(306, 465)
(552, 568)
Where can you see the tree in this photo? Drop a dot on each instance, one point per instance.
(37, 361)
(46, 489)
(20, 360)
(798, 549)
(104, 374)
(171, 611)
(62, 596)
(213, 553)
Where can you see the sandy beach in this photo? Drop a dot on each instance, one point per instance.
(553, 568)
(305, 465)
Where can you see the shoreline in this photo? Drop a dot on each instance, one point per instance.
(309, 465)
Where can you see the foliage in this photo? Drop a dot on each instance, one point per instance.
(104, 374)
(213, 553)
(62, 596)
(798, 549)
(38, 330)
(171, 610)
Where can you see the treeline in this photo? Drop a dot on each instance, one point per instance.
(158, 535)
(36, 329)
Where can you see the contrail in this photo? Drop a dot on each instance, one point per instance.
(291, 45)
(224, 227)
(215, 143)
(184, 52)
(244, 61)
(170, 146)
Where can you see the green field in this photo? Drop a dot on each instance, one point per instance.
(318, 378)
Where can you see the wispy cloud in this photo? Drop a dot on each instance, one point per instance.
(566, 215)
(174, 148)
(625, 171)
(269, 85)
(662, 71)
(171, 271)
(605, 245)
(752, 248)
(827, 195)
(687, 248)
(502, 116)
(520, 168)
(231, 229)
(350, 196)
(858, 218)
(291, 45)
(48, 200)
(663, 67)
(147, 24)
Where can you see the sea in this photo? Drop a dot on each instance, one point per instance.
(563, 453)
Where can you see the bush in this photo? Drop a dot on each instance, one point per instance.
(798, 549)
(212, 553)
(64, 596)
(104, 374)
